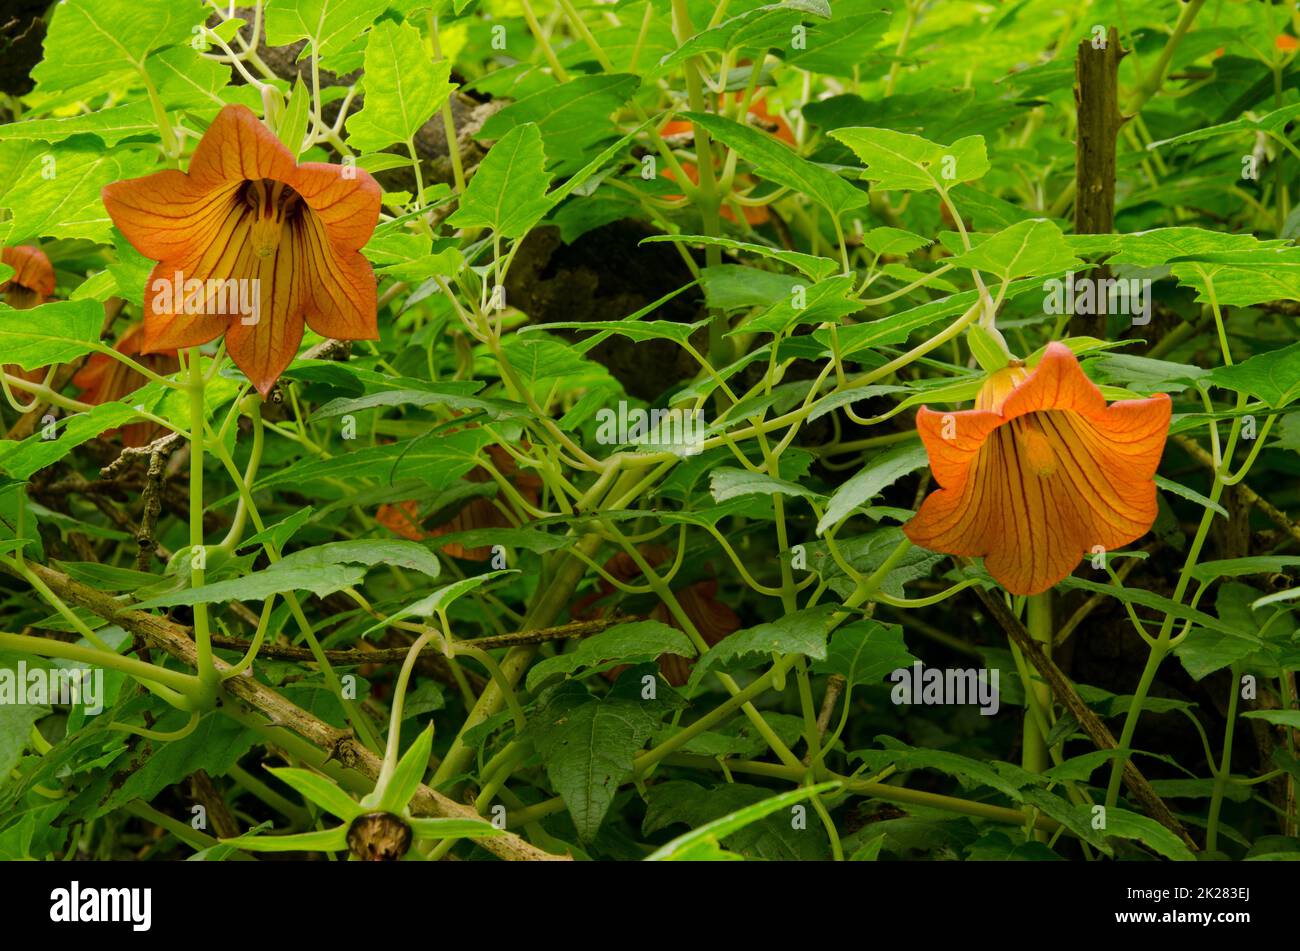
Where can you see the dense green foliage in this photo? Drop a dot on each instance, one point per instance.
(478, 601)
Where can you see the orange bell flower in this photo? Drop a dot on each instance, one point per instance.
(251, 244)
(1040, 473)
(103, 380)
(30, 286)
(403, 518)
(33, 278)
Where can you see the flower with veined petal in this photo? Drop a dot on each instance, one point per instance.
(247, 212)
(33, 278)
(1040, 473)
(30, 285)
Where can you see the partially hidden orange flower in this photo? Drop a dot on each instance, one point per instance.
(33, 279)
(251, 244)
(31, 284)
(403, 518)
(775, 126)
(1040, 473)
(712, 618)
(103, 380)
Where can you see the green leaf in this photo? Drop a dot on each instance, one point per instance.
(409, 773)
(90, 40)
(332, 25)
(971, 773)
(803, 632)
(1208, 571)
(404, 88)
(317, 789)
(1272, 376)
(838, 47)
(441, 599)
(54, 332)
(292, 127)
(897, 327)
(149, 766)
(735, 286)
(1191, 495)
(587, 745)
(1290, 718)
(279, 533)
(779, 163)
(868, 482)
(185, 79)
(893, 241)
(322, 840)
(1203, 652)
(1145, 374)
(16, 720)
(864, 652)
(631, 329)
(363, 551)
(508, 192)
(1273, 122)
(110, 125)
(538, 357)
(571, 117)
(438, 462)
(529, 539)
(634, 643)
(703, 843)
(1149, 599)
(762, 27)
(1130, 825)
(825, 301)
(260, 585)
(58, 196)
(21, 459)
(728, 483)
(1028, 248)
(900, 161)
(1159, 246)
(1243, 278)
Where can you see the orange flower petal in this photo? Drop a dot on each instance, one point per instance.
(1054, 475)
(346, 200)
(237, 147)
(339, 285)
(402, 518)
(264, 344)
(166, 330)
(32, 272)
